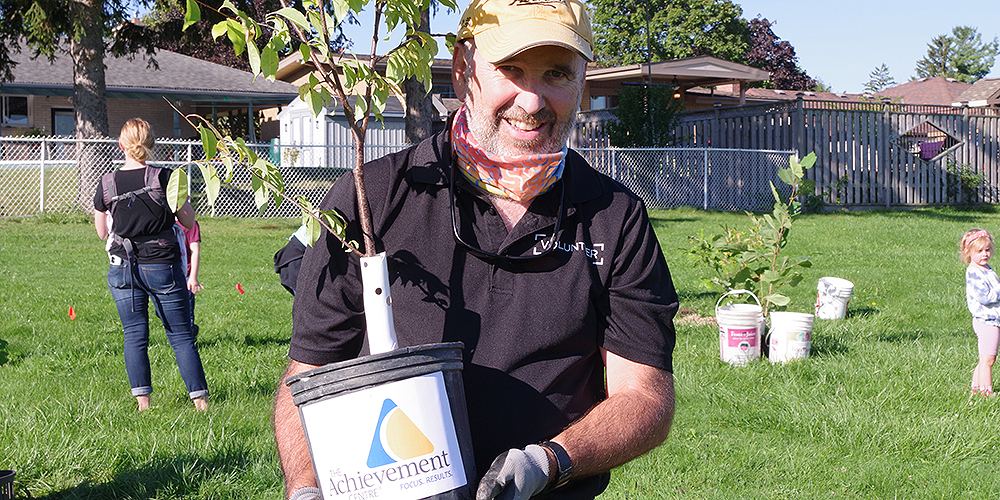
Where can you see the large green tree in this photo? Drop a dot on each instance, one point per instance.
(962, 55)
(84, 30)
(676, 29)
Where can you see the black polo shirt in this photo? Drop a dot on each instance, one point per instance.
(532, 329)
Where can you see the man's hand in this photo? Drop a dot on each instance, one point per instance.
(516, 475)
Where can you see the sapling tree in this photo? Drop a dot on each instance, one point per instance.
(750, 258)
(312, 24)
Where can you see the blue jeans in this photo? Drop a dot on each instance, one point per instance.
(165, 284)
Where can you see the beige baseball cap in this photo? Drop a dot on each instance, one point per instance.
(504, 28)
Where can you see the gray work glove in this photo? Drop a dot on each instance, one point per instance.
(516, 475)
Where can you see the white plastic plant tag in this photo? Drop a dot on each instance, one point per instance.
(378, 304)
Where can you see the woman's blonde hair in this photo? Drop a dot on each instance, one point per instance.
(136, 139)
(974, 240)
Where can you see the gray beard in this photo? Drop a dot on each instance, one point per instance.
(485, 128)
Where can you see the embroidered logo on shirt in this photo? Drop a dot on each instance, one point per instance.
(594, 253)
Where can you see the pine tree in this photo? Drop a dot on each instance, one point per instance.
(879, 80)
(962, 56)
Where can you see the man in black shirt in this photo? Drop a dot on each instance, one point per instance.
(500, 237)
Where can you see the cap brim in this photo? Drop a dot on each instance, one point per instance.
(503, 42)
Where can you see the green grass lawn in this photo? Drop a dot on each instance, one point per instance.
(880, 410)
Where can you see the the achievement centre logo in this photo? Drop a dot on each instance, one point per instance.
(401, 457)
(396, 438)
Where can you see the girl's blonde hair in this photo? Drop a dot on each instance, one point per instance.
(136, 139)
(974, 240)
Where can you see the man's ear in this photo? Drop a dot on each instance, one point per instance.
(459, 67)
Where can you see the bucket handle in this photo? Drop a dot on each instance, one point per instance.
(734, 292)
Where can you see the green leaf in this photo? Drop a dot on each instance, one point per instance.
(809, 160)
(313, 229)
(786, 176)
(795, 280)
(253, 56)
(770, 276)
(777, 299)
(304, 52)
(259, 192)
(177, 191)
(227, 161)
(340, 10)
(336, 222)
(208, 141)
(269, 62)
(360, 108)
(296, 17)
(192, 15)
(220, 28)
(796, 167)
(237, 35)
(227, 4)
(357, 5)
(212, 182)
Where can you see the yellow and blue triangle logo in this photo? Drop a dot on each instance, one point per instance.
(396, 438)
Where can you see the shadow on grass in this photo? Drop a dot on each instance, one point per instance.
(685, 295)
(255, 340)
(951, 214)
(162, 477)
(828, 345)
(860, 312)
(899, 336)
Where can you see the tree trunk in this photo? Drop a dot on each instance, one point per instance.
(419, 110)
(89, 98)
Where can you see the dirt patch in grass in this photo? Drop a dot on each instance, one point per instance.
(691, 317)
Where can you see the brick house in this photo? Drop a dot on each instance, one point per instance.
(40, 97)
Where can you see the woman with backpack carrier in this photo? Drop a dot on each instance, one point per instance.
(146, 263)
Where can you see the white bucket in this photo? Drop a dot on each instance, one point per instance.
(790, 336)
(832, 297)
(740, 330)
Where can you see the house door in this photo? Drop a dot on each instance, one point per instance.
(63, 122)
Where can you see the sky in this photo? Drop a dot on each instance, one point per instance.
(840, 43)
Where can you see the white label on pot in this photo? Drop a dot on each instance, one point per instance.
(389, 441)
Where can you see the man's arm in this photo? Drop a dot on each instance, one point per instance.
(293, 451)
(634, 419)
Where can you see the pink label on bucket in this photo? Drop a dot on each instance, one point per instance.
(738, 336)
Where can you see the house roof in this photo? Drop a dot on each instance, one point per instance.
(937, 90)
(702, 71)
(179, 77)
(727, 93)
(985, 92)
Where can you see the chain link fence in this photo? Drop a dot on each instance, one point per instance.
(718, 179)
(60, 175)
(46, 175)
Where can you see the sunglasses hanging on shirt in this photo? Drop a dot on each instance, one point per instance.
(488, 256)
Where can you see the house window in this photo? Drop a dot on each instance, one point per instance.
(446, 91)
(14, 110)
(63, 122)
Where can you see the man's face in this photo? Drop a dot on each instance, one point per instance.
(524, 105)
